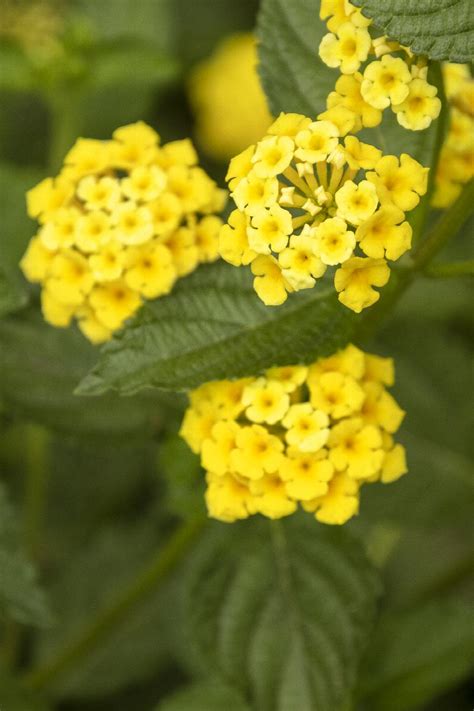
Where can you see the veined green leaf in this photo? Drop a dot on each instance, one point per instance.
(441, 29)
(214, 326)
(205, 697)
(283, 611)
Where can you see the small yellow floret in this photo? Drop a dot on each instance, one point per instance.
(356, 203)
(420, 107)
(346, 49)
(386, 81)
(334, 243)
(355, 280)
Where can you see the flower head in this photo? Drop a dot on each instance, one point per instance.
(120, 223)
(297, 436)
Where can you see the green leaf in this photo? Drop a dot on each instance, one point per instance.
(183, 476)
(292, 75)
(283, 616)
(416, 655)
(441, 29)
(14, 697)
(205, 697)
(39, 368)
(214, 326)
(21, 598)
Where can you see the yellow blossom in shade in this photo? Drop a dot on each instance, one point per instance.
(306, 475)
(336, 394)
(306, 428)
(48, 196)
(347, 48)
(379, 369)
(343, 118)
(316, 141)
(394, 465)
(266, 401)
(355, 280)
(113, 302)
(60, 231)
(333, 242)
(56, 313)
(132, 224)
(356, 448)
(144, 183)
(37, 260)
(360, 155)
(269, 230)
(257, 452)
(356, 203)
(181, 152)
(382, 235)
(206, 238)
(311, 454)
(420, 106)
(347, 93)
(272, 155)
(135, 144)
(255, 193)
(339, 504)
(269, 282)
(228, 102)
(386, 81)
(290, 376)
(233, 240)
(91, 327)
(271, 498)
(87, 156)
(380, 408)
(166, 213)
(93, 230)
(99, 193)
(108, 264)
(299, 264)
(239, 166)
(288, 125)
(216, 450)
(70, 278)
(400, 182)
(150, 270)
(228, 498)
(339, 12)
(185, 253)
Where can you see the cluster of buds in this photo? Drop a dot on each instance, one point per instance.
(395, 78)
(308, 200)
(309, 436)
(120, 223)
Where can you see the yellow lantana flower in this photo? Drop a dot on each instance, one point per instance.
(347, 48)
(120, 223)
(323, 431)
(355, 280)
(386, 81)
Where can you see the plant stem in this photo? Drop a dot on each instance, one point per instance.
(146, 581)
(37, 470)
(448, 270)
(447, 227)
(64, 107)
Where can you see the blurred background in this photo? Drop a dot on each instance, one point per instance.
(90, 488)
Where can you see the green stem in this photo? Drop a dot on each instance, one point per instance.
(64, 107)
(147, 580)
(37, 470)
(447, 227)
(447, 270)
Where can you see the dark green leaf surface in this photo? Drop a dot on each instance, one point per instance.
(21, 598)
(283, 611)
(441, 29)
(293, 76)
(205, 697)
(214, 326)
(418, 654)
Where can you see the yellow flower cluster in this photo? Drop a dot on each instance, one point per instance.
(360, 97)
(120, 223)
(298, 435)
(308, 200)
(228, 101)
(456, 161)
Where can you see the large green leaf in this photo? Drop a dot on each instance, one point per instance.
(293, 76)
(21, 598)
(39, 368)
(213, 326)
(205, 697)
(441, 29)
(282, 611)
(417, 655)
